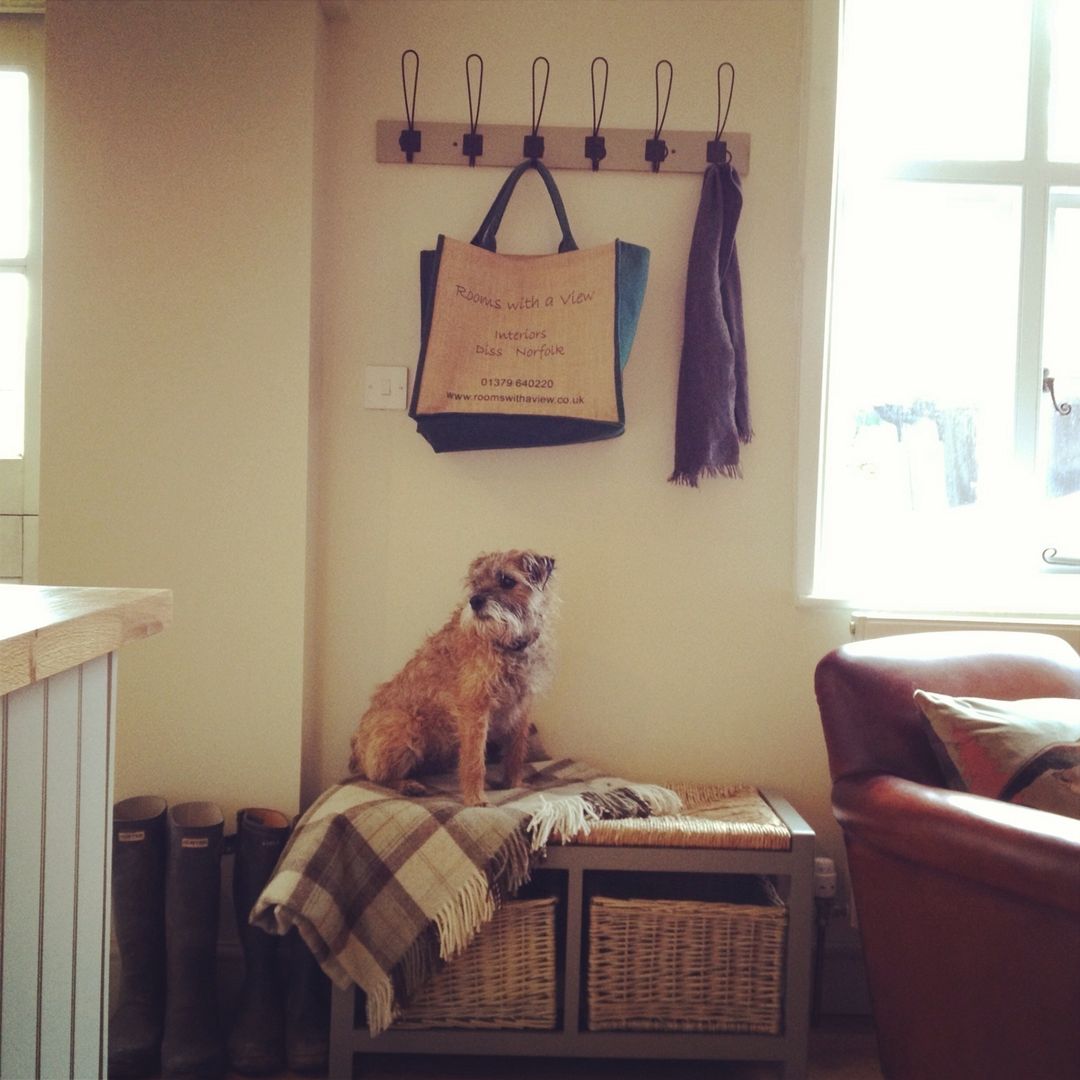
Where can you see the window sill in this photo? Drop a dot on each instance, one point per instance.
(1050, 593)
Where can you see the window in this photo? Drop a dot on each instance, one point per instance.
(21, 85)
(942, 375)
(14, 251)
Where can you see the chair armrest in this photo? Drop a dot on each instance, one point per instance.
(1015, 849)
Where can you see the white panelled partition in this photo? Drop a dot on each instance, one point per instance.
(58, 683)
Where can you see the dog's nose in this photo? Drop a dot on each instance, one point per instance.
(476, 602)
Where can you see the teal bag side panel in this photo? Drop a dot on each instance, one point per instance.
(632, 275)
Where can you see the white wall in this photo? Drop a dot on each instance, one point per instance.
(192, 185)
(178, 232)
(683, 652)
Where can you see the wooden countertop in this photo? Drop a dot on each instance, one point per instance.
(45, 629)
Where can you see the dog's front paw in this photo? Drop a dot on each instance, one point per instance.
(475, 800)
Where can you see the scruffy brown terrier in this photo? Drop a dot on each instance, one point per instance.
(470, 682)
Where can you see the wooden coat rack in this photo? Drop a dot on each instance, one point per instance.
(619, 149)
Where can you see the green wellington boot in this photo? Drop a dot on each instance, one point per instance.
(138, 900)
(257, 1039)
(192, 1044)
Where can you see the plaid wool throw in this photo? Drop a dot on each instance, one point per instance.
(383, 887)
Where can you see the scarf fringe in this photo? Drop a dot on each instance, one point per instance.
(690, 477)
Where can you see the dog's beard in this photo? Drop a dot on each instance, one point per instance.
(501, 624)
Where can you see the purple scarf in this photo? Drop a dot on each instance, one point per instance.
(713, 414)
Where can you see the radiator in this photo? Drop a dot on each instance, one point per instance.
(875, 624)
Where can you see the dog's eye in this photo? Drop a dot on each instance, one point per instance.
(507, 582)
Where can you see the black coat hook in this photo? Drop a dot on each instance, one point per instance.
(534, 144)
(595, 150)
(409, 139)
(655, 148)
(472, 144)
(716, 151)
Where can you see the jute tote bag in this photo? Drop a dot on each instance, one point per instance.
(524, 350)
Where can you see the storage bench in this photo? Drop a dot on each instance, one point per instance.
(744, 856)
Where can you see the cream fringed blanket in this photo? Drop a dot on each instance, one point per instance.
(382, 887)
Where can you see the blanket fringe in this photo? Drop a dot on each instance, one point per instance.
(405, 978)
(380, 1006)
(511, 866)
(460, 920)
(639, 801)
(660, 800)
(574, 815)
(453, 928)
(416, 965)
(567, 816)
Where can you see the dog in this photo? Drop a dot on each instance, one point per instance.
(470, 683)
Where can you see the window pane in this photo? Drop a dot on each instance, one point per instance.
(14, 164)
(924, 79)
(13, 295)
(1064, 120)
(1060, 431)
(922, 362)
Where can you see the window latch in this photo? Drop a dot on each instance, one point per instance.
(1052, 558)
(1048, 388)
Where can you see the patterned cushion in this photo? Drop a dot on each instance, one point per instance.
(1025, 752)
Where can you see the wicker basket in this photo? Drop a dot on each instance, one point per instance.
(504, 980)
(687, 965)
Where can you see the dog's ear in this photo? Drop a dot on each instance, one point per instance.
(538, 567)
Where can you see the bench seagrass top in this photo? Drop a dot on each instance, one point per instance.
(732, 817)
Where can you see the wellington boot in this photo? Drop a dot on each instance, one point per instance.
(192, 1045)
(307, 1029)
(138, 898)
(257, 1039)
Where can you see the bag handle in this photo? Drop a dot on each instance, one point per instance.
(485, 235)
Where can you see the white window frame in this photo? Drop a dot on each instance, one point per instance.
(1052, 593)
(22, 48)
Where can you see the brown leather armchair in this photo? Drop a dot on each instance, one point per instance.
(968, 908)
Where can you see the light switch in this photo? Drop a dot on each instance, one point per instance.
(385, 387)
